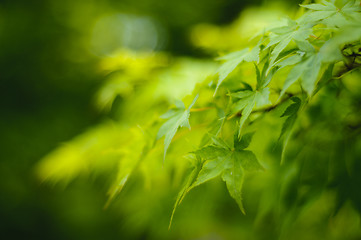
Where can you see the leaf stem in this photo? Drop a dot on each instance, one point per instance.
(267, 109)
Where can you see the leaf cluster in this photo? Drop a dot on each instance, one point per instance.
(279, 75)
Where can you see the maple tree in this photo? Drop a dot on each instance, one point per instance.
(298, 66)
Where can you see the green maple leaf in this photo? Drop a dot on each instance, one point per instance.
(248, 101)
(289, 60)
(264, 77)
(230, 163)
(291, 114)
(177, 118)
(306, 70)
(281, 37)
(232, 60)
(328, 13)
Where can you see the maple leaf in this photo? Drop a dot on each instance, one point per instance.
(331, 15)
(289, 60)
(233, 60)
(230, 163)
(248, 101)
(281, 37)
(177, 118)
(265, 77)
(306, 70)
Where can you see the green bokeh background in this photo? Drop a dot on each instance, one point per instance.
(49, 77)
(48, 80)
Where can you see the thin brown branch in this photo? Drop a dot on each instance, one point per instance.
(267, 109)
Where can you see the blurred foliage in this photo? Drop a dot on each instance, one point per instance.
(98, 74)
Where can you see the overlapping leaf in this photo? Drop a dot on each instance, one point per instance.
(281, 37)
(248, 101)
(328, 13)
(221, 160)
(307, 71)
